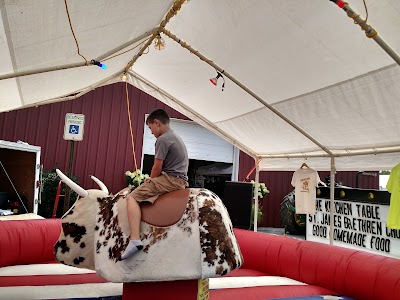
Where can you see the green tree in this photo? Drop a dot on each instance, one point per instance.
(49, 183)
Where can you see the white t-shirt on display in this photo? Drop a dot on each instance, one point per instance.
(304, 182)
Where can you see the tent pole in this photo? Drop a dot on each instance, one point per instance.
(374, 151)
(369, 31)
(332, 199)
(75, 65)
(243, 87)
(79, 93)
(42, 70)
(255, 195)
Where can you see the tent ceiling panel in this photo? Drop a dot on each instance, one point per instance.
(41, 36)
(282, 49)
(304, 57)
(360, 113)
(264, 132)
(186, 77)
(35, 88)
(9, 95)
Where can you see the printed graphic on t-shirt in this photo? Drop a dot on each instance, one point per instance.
(304, 185)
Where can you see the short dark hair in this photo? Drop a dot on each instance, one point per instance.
(159, 114)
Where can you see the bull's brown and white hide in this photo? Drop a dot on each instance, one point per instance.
(169, 253)
(220, 251)
(200, 245)
(75, 246)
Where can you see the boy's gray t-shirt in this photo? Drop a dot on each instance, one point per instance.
(171, 149)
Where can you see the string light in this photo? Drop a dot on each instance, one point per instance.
(99, 64)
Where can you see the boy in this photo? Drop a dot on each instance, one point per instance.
(169, 173)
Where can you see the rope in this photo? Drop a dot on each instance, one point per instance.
(366, 11)
(130, 126)
(73, 33)
(124, 51)
(252, 170)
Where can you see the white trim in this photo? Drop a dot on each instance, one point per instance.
(19, 146)
(35, 186)
(28, 148)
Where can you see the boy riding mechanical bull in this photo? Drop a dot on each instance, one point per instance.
(182, 233)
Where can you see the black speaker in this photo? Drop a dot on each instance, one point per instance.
(238, 199)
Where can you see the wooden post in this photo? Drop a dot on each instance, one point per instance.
(69, 174)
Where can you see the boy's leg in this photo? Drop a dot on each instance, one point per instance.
(151, 188)
(134, 217)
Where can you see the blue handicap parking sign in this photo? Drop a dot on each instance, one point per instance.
(74, 129)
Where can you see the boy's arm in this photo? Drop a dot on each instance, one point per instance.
(157, 168)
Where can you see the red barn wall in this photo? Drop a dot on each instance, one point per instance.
(278, 183)
(106, 150)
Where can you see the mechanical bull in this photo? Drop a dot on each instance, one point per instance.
(187, 234)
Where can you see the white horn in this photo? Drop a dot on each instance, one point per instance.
(100, 184)
(76, 188)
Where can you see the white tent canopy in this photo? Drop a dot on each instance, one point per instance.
(311, 84)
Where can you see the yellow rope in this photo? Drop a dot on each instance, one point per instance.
(366, 11)
(124, 51)
(130, 128)
(72, 30)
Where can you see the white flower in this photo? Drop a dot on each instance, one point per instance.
(134, 179)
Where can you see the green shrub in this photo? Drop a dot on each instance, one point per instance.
(49, 183)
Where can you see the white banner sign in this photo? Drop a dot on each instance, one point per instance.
(73, 127)
(356, 225)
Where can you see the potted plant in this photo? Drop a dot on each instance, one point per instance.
(262, 191)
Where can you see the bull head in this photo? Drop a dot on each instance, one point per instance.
(78, 227)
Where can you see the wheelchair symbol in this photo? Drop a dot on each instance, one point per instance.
(73, 129)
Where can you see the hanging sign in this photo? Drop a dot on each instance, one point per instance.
(356, 225)
(73, 127)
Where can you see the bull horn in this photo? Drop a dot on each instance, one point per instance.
(76, 188)
(100, 184)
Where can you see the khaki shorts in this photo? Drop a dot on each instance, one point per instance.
(154, 187)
